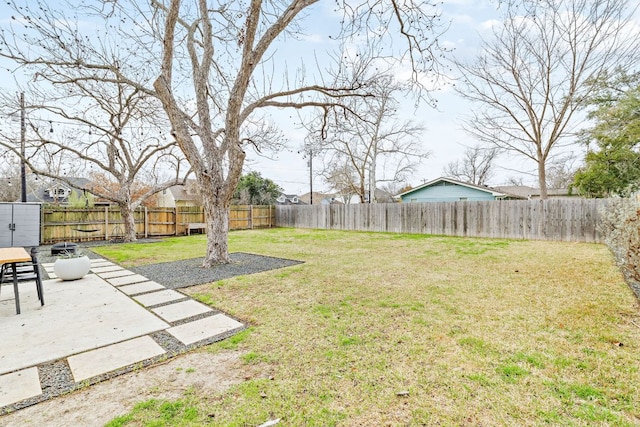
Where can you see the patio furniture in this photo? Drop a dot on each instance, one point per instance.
(17, 267)
(195, 226)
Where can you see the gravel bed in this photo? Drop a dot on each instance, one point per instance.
(189, 272)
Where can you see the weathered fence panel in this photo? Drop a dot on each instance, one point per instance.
(554, 219)
(104, 223)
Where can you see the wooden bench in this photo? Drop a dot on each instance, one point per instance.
(195, 226)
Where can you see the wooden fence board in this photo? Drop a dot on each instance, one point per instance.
(554, 219)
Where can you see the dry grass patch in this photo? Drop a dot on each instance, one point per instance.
(384, 329)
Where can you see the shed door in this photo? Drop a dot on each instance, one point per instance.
(27, 220)
(6, 219)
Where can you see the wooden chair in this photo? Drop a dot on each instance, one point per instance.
(25, 272)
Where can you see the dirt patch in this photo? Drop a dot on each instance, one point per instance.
(96, 405)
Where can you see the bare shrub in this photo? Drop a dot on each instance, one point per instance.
(620, 226)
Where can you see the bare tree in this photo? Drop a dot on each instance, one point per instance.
(561, 170)
(395, 188)
(9, 180)
(475, 167)
(111, 133)
(342, 178)
(214, 66)
(368, 144)
(542, 63)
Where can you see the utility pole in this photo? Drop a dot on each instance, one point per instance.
(23, 130)
(308, 152)
(310, 176)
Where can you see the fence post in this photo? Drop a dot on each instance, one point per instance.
(146, 223)
(251, 217)
(106, 222)
(175, 219)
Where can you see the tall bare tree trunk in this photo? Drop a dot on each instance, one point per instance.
(542, 179)
(216, 212)
(129, 220)
(372, 174)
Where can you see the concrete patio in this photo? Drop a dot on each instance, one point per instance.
(107, 323)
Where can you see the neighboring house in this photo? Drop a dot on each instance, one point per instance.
(289, 199)
(56, 192)
(320, 199)
(450, 190)
(180, 195)
(382, 196)
(526, 192)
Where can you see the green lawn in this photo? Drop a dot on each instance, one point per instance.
(386, 329)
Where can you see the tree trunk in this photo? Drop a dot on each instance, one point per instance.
(126, 211)
(542, 180)
(217, 217)
(372, 175)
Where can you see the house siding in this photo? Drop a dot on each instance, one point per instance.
(445, 192)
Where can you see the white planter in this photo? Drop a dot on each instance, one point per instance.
(72, 268)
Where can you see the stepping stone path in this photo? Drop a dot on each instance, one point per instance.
(190, 324)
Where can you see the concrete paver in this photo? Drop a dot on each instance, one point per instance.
(19, 385)
(160, 297)
(181, 310)
(115, 273)
(98, 269)
(112, 357)
(127, 280)
(139, 288)
(99, 262)
(202, 329)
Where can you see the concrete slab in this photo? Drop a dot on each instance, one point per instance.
(104, 269)
(127, 280)
(19, 385)
(160, 297)
(139, 288)
(106, 359)
(93, 326)
(77, 316)
(181, 310)
(208, 327)
(115, 273)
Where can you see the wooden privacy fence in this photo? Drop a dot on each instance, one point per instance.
(105, 223)
(555, 219)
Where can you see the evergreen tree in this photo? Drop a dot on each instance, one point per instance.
(253, 189)
(613, 167)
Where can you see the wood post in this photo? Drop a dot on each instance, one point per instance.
(146, 223)
(106, 223)
(175, 219)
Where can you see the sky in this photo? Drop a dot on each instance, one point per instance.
(443, 136)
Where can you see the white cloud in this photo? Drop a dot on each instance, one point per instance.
(463, 19)
(313, 38)
(489, 24)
